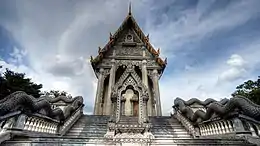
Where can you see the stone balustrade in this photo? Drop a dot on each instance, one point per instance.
(32, 123)
(69, 122)
(18, 122)
(233, 126)
(186, 123)
(36, 124)
(216, 128)
(254, 129)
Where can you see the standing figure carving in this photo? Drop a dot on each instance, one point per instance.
(128, 105)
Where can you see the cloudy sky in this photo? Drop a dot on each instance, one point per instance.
(211, 45)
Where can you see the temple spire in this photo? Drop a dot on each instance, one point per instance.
(130, 8)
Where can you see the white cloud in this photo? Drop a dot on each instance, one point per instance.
(60, 37)
(236, 61)
(17, 55)
(217, 81)
(237, 68)
(191, 26)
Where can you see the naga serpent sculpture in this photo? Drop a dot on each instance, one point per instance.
(74, 103)
(222, 108)
(19, 100)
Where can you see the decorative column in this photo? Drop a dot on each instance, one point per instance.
(155, 79)
(145, 115)
(145, 82)
(113, 108)
(97, 109)
(110, 86)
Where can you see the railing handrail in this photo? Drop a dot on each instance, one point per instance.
(9, 115)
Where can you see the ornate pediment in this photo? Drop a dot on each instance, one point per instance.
(129, 42)
(128, 36)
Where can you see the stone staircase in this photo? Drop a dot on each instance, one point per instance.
(168, 127)
(89, 126)
(90, 130)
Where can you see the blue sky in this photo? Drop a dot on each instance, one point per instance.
(211, 45)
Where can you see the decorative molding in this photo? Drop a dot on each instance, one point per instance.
(127, 32)
(128, 63)
(150, 73)
(129, 38)
(152, 63)
(133, 137)
(129, 81)
(129, 51)
(105, 73)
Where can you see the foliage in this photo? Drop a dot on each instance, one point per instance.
(249, 89)
(11, 81)
(56, 93)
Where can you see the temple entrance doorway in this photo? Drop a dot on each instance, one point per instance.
(130, 103)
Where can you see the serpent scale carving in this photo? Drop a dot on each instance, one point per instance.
(19, 100)
(222, 108)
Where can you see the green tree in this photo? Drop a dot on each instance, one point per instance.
(249, 89)
(11, 81)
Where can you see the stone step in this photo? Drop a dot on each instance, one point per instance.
(86, 130)
(82, 128)
(89, 126)
(172, 136)
(168, 127)
(80, 141)
(87, 133)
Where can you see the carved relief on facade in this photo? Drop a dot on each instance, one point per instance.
(106, 72)
(130, 78)
(128, 63)
(130, 103)
(134, 138)
(128, 51)
(150, 73)
(125, 36)
(152, 63)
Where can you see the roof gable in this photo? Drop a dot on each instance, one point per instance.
(129, 24)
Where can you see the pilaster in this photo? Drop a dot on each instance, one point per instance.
(97, 109)
(145, 82)
(110, 86)
(145, 115)
(113, 108)
(155, 78)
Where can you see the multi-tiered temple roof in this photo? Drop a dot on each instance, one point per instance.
(128, 21)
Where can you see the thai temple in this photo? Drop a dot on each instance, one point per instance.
(127, 108)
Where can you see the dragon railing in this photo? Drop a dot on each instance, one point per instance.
(22, 114)
(237, 116)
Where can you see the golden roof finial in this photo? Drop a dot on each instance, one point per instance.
(130, 8)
